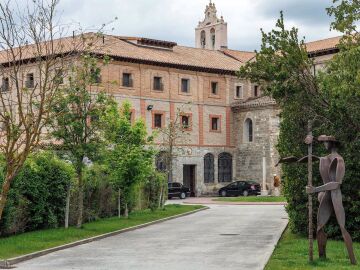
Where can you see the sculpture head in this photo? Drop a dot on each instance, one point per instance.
(330, 143)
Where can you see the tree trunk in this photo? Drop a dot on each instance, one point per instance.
(4, 191)
(67, 208)
(164, 196)
(80, 196)
(160, 196)
(119, 203)
(126, 211)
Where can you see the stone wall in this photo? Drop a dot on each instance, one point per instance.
(249, 162)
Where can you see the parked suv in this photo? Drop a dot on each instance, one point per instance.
(240, 188)
(178, 190)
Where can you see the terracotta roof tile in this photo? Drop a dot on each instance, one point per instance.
(242, 56)
(323, 45)
(178, 55)
(161, 52)
(254, 102)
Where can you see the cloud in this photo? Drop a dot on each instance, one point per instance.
(175, 20)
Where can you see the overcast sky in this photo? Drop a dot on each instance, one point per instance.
(175, 20)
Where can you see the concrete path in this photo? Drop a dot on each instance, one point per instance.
(223, 237)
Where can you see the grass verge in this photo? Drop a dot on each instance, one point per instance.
(252, 199)
(292, 253)
(26, 243)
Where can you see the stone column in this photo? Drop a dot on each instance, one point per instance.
(264, 191)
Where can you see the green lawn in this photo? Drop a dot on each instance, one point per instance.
(39, 240)
(292, 253)
(252, 199)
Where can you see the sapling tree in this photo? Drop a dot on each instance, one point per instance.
(76, 118)
(130, 155)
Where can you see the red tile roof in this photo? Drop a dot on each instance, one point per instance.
(242, 56)
(322, 45)
(157, 52)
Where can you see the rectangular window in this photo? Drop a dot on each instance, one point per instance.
(239, 92)
(215, 124)
(256, 90)
(158, 120)
(214, 88)
(29, 83)
(127, 80)
(5, 84)
(59, 77)
(185, 121)
(158, 85)
(185, 85)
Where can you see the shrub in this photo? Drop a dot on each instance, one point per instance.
(38, 198)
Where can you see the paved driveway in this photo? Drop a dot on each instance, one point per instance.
(223, 237)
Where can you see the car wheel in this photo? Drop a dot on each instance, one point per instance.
(223, 193)
(182, 195)
(245, 193)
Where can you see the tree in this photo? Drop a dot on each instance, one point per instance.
(130, 157)
(29, 79)
(76, 118)
(174, 132)
(331, 98)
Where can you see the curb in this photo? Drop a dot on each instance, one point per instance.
(235, 203)
(9, 263)
(279, 235)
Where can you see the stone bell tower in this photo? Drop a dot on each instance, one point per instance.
(211, 33)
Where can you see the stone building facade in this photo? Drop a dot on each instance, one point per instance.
(231, 128)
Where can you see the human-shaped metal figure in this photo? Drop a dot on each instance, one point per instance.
(332, 170)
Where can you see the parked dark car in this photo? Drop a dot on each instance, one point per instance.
(178, 190)
(240, 188)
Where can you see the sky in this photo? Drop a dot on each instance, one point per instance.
(175, 20)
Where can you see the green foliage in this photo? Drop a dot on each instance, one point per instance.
(99, 196)
(347, 16)
(130, 158)
(153, 186)
(37, 200)
(76, 118)
(78, 111)
(330, 99)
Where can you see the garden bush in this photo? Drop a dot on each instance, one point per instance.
(38, 197)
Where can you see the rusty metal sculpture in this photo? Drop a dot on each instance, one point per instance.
(332, 171)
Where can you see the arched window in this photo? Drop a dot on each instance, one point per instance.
(212, 34)
(161, 161)
(209, 168)
(225, 167)
(203, 39)
(248, 130)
